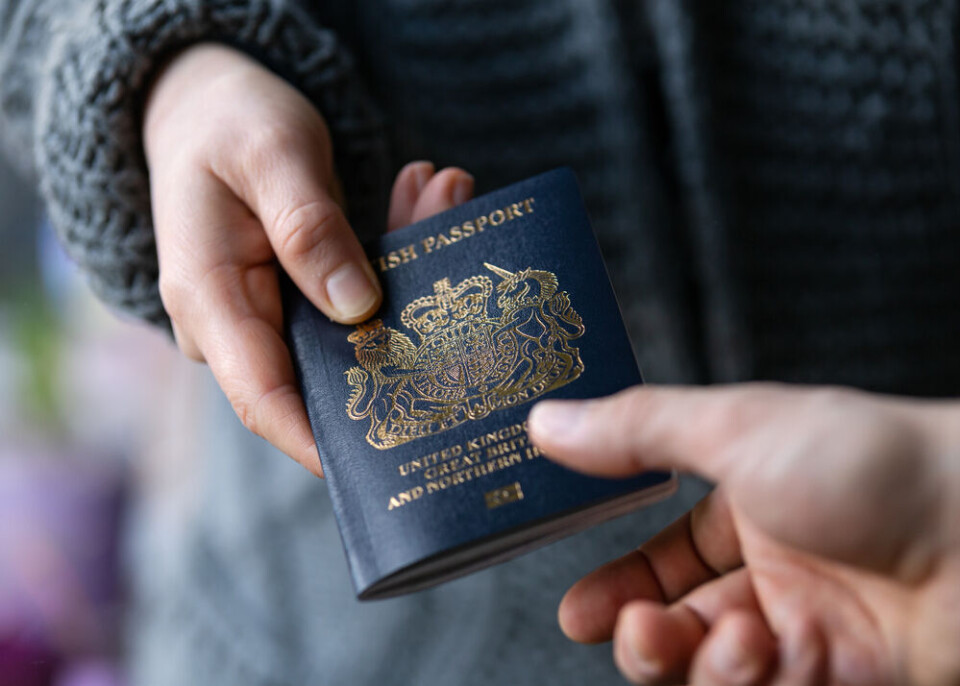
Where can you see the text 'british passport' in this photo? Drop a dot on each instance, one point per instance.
(419, 414)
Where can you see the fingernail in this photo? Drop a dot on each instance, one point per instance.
(463, 189)
(644, 668)
(557, 420)
(637, 665)
(352, 291)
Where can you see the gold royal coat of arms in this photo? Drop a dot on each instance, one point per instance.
(468, 363)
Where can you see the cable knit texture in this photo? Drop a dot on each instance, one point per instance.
(88, 145)
(775, 185)
(819, 151)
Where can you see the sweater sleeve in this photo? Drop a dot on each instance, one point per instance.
(73, 75)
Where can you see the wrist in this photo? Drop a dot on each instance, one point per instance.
(177, 84)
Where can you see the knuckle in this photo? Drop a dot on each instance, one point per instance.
(192, 352)
(634, 407)
(174, 295)
(268, 142)
(636, 399)
(178, 298)
(266, 411)
(732, 415)
(834, 409)
(306, 229)
(186, 344)
(220, 286)
(247, 413)
(737, 409)
(830, 397)
(184, 295)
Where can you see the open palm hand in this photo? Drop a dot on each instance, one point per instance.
(828, 554)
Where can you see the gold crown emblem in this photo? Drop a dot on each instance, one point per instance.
(448, 305)
(471, 359)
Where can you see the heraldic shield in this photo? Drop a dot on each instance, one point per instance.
(468, 362)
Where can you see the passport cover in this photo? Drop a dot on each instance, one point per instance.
(419, 414)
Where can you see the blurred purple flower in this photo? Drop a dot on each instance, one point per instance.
(59, 586)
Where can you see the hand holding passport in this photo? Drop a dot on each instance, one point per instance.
(420, 412)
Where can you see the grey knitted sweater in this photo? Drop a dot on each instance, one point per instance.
(776, 185)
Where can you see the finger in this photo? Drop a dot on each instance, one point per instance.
(199, 226)
(656, 644)
(732, 591)
(409, 184)
(781, 451)
(449, 188)
(251, 363)
(738, 651)
(287, 182)
(219, 285)
(802, 655)
(647, 427)
(695, 549)
(589, 610)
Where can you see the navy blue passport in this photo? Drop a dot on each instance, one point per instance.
(420, 413)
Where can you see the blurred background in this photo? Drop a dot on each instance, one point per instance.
(87, 429)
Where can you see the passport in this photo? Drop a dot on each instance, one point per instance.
(420, 413)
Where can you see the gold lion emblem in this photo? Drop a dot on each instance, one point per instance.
(468, 363)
